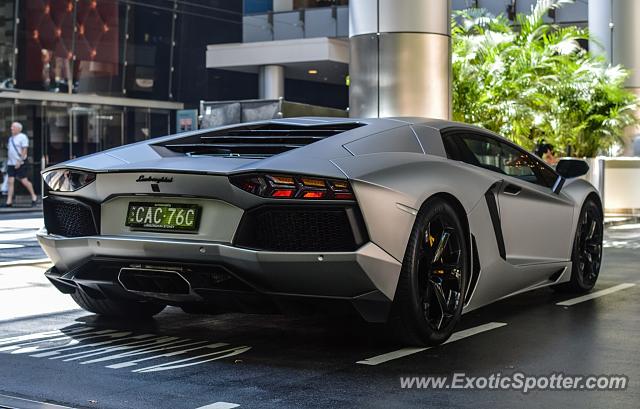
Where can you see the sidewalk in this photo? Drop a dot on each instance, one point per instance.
(21, 204)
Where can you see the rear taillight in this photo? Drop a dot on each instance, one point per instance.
(293, 187)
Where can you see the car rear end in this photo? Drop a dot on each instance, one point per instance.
(212, 221)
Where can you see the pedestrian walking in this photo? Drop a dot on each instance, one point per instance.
(18, 146)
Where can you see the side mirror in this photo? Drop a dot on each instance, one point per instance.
(572, 168)
(567, 169)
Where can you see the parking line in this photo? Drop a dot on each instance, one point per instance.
(379, 359)
(15, 402)
(42, 335)
(183, 363)
(5, 246)
(25, 262)
(574, 301)
(220, 405)
(181, 343)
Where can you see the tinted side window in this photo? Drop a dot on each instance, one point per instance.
(450, 142)
(520, 164)
(497, 156)
(545, 175)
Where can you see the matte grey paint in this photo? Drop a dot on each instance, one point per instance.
(391, 182)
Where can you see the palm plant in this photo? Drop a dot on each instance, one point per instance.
(531, 80)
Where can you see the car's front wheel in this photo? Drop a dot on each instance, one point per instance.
(586, 256)
(121, 309)
(430, 294)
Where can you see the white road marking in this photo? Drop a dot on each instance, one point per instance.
(10, 401)
(24, 236)
(591, 296)
(144, 351)
(220, 405)
(29, 348)
(34, 223)
(136, 347)
(379, 359)
(4, 246)
(43, 335)
(55, 353)
(179, 364)
(168, 354)
(24, 262)
(88, 345)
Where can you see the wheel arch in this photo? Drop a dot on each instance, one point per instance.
(457, 205)
(391, 187)
(596, 198)
(580, 191)
(473, 259)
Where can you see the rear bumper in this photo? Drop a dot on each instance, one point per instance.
(367, 277)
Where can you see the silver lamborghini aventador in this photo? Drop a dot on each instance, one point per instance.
(407, 221)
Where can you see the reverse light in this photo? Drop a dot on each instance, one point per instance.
(67, 180)
(293, 187)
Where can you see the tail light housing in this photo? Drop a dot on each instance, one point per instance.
(278, 186)
(67, 180)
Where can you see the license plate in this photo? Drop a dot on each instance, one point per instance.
(173, 217)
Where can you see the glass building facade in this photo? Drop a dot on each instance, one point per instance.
(87, 75)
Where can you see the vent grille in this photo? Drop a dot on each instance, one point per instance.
(283, 228)
(259, 141)
(69, 218)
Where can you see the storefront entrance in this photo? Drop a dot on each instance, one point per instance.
(60, 131)
(77, 131)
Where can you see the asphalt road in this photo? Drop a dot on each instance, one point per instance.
(50, 351)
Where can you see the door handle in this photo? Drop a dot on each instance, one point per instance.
(512, 190)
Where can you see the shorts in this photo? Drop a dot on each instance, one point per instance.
(21, 173)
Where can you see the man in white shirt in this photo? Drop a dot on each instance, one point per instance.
(16, 169)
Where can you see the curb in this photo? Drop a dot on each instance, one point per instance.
(618, 221)
(20, 209)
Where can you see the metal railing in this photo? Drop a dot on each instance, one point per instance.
(220, 113)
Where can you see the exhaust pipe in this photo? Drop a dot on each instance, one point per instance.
(157, 283)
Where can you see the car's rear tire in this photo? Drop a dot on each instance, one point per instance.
(586, 256)
(430, 294)
(122, 309)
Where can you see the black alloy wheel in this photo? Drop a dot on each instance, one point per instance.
(431, 289)
(440, 272)
(587, 250)
(590, 245)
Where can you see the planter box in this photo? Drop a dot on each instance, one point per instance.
(618, 181)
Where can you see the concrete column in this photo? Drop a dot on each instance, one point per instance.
(271, 82)
(600, 27)
(400, 58)
(626, 51)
